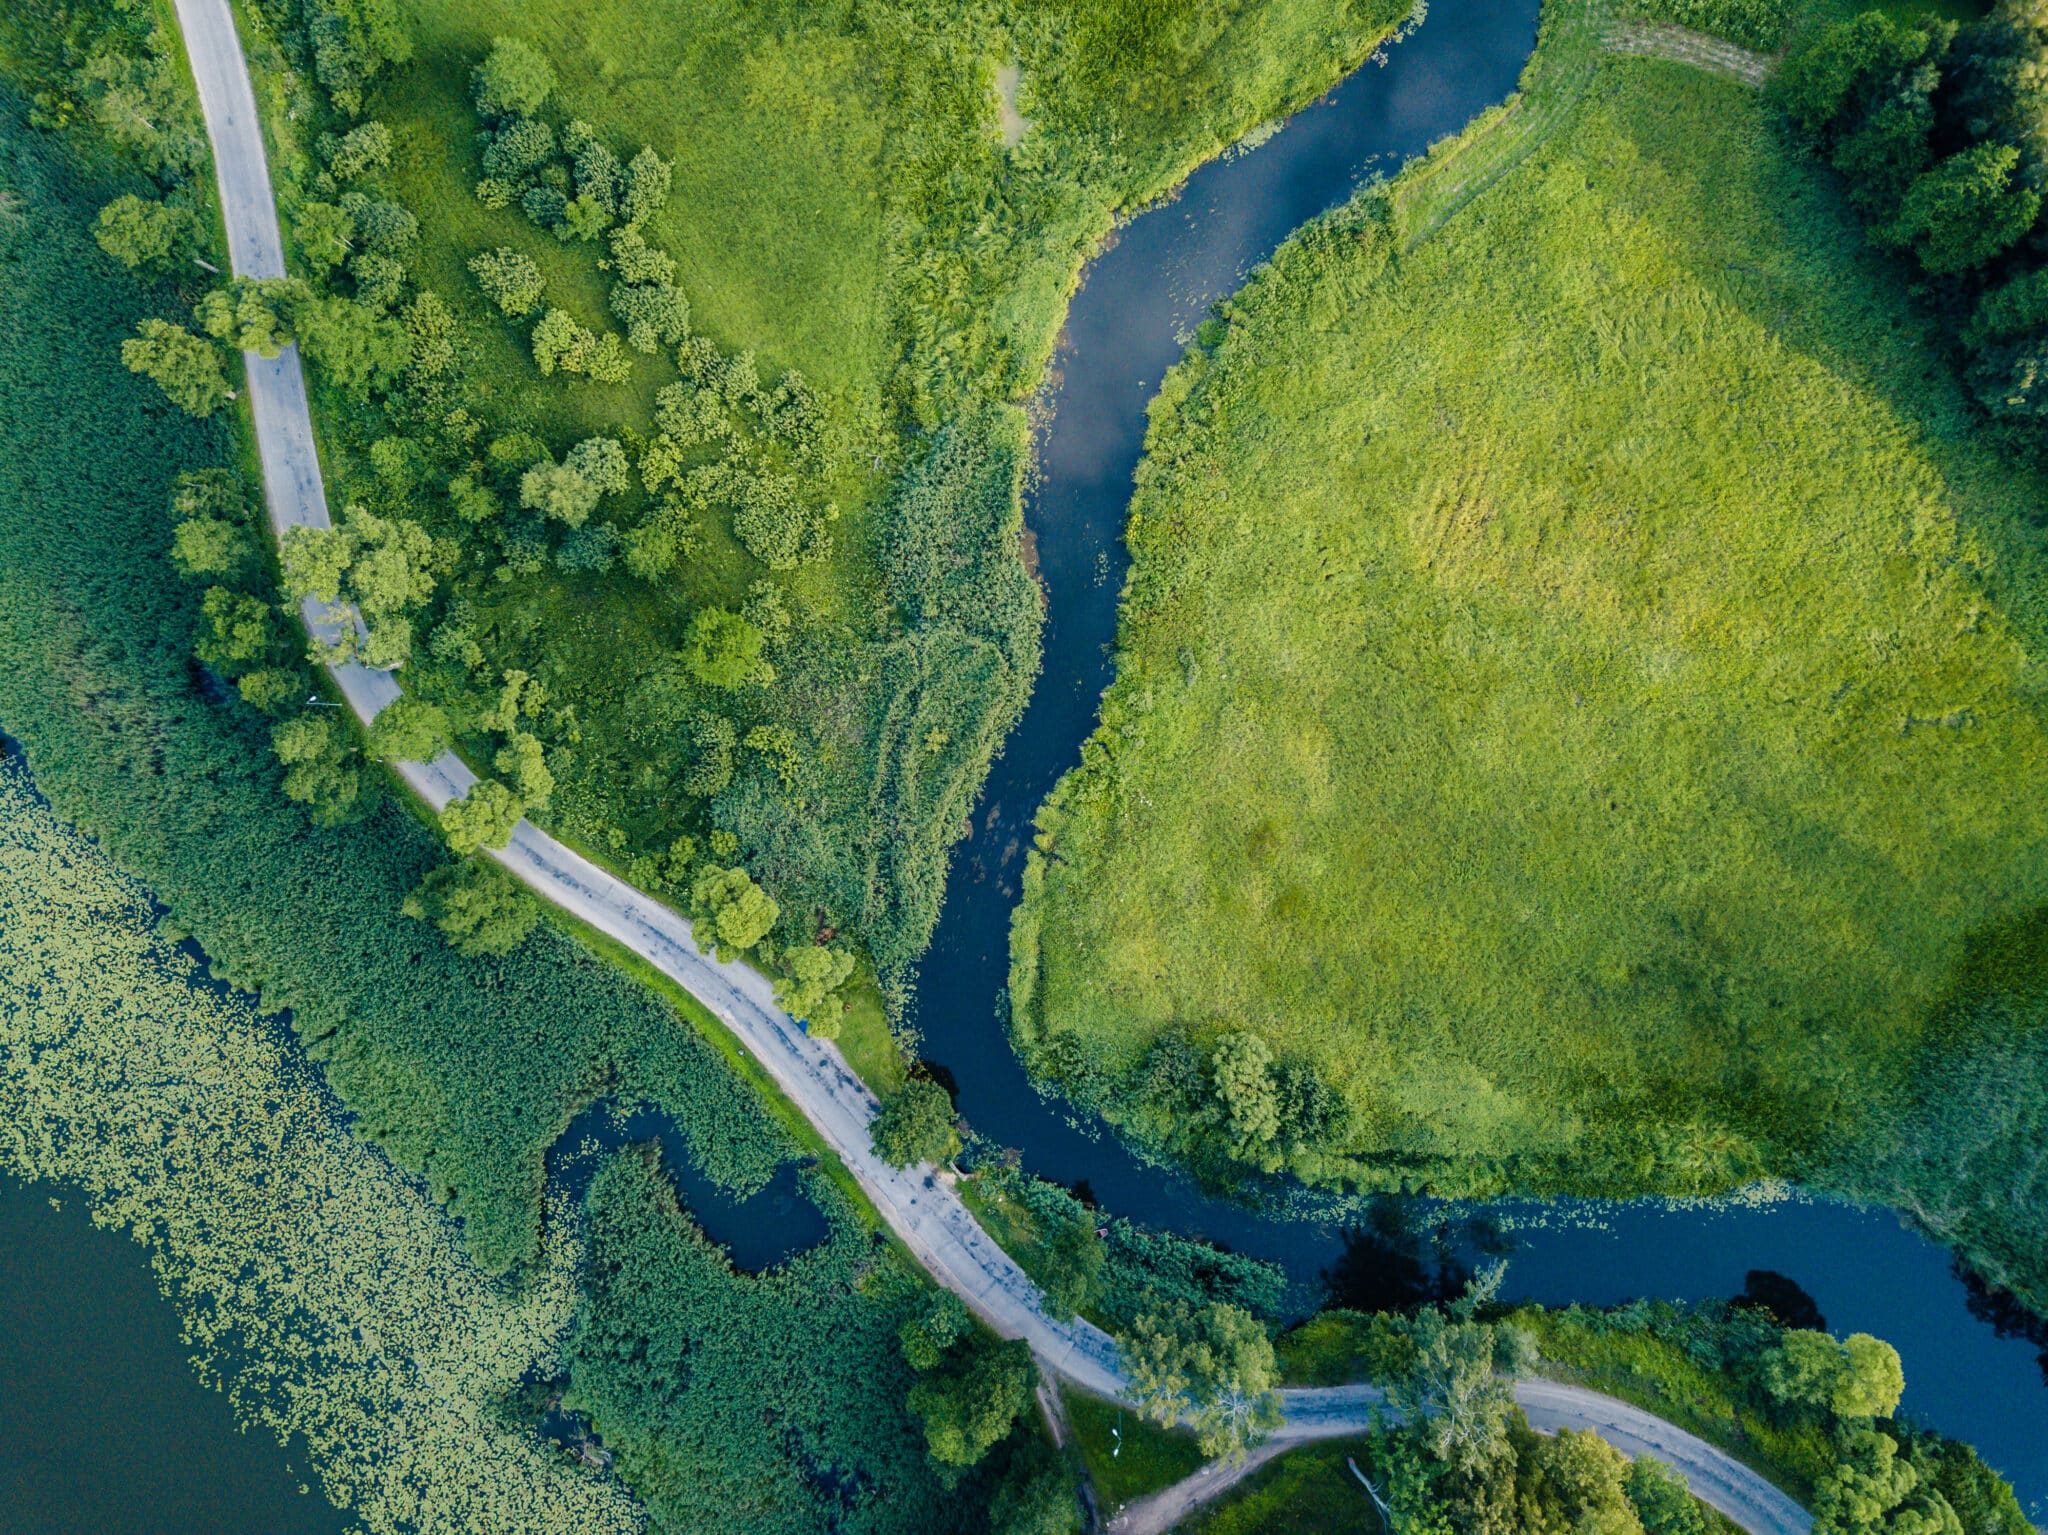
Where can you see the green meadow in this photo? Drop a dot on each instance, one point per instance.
(1578, 704)
(846, 207)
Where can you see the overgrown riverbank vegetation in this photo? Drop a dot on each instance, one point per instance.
(465, 1067)
(667, 361)
(321, 1286)
(1575, 726)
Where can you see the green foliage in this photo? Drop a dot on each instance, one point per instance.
(319, 1300)
(482, 819)
(377, 568)
(510, 279)
(179, 363)
(211, 546)
(139, 232)
(971, 1387)
(1663, 1501)
(479, 908)
(1037, 1495)
(1455, 1388)
(235, 631)
(353, 346)
(1308, 1491)
(560, 343)
(363, 149)
(927, 1335)
(1868, 1490)
(1127, 1456)
(352, 41)
(1761, 24)
(409, 729)
(463, 1071)
(729, 913)
(1965, 210)
(1477, 1032)
(252, 314)
(1047, 1229)
(514, 80)
(811, 974)
(320, 769)
(1212, 1368)
(816, 1337)
(916, 1124)
(724, 651)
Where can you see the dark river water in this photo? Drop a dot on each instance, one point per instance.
(110, 1431)
(1970, 1369)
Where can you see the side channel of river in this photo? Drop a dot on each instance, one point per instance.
(1969, 1367)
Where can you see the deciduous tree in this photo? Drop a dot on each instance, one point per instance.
(723, 650)
(811, 975)
(409, 729)
(916, 1124)
(485, 818)
(186, 368)
(139, 232)
(514, 80)
(479, 908)
(1212, 1367)
(1966, 210)
(729, 913)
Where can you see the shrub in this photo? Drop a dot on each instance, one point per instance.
(480, 909)
(916, 1125)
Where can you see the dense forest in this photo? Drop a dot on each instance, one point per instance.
(1578, 665)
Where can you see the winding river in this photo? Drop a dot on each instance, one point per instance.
(1968, 1373)
(1969, 1369)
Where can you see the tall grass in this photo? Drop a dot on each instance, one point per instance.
(1574, 687)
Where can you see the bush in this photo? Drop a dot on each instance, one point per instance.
(480, 909)
(916, 1125)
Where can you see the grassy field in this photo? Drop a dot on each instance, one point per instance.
(1127, 1456)
(845, 206)
(1309, 1491)
(1577, 692)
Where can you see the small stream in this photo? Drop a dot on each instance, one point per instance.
(1972, 1369)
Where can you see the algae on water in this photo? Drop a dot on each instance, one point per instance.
(317, 1283)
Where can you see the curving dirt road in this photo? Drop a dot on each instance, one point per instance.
(919, 1205)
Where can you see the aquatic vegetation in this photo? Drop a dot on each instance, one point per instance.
(319, 1284)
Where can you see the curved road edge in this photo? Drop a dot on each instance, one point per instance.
(919, 1205)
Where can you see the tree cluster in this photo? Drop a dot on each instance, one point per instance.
(1939, 136)
(971, 1386)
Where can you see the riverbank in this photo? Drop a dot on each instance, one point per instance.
(1538, 564)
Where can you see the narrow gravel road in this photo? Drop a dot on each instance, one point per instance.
(919, 1205)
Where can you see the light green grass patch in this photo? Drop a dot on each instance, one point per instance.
(1578, 689)
(1127, 1457)
(1307, 1491)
